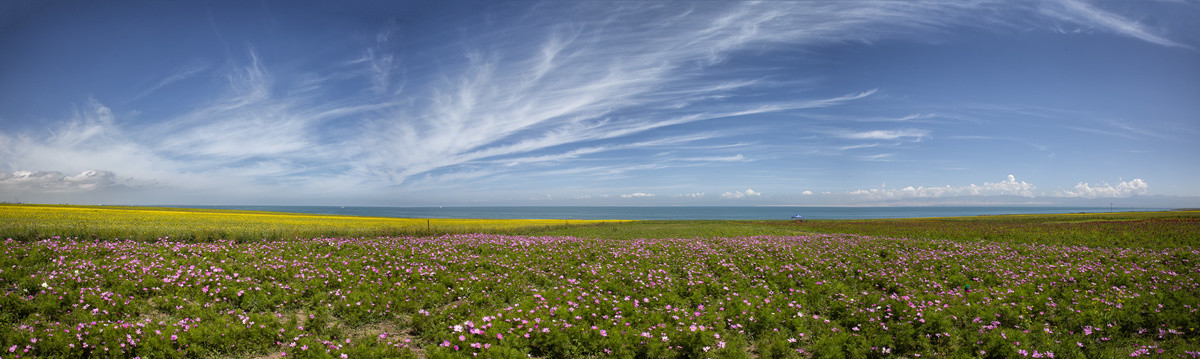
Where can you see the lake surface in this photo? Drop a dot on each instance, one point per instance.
(669, 213)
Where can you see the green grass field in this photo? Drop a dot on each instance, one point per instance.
(1168, 229)
(128, 282)
(1122, 229)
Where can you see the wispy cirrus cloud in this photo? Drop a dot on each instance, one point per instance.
(1085, 14)
(89, 140)
(859, 146)
(186, 72)
(584, 90)
(622, 74)
(1118, 129)
(914, 134)
(734, 158)
(998, 138)
(881, 157)
(595, 79)
(665, 142)
(242, 137)
(600, 79)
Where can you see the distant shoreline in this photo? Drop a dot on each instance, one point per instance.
(668, 212)
(681, 212)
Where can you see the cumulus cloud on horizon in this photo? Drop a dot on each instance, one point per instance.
(1010, 186)
(637, 195)
(741, 194)
(1132, 187)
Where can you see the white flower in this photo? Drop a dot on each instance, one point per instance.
(457, 328)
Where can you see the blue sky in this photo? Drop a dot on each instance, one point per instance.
(601, 103)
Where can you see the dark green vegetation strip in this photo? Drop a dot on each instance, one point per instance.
(1168, 229)
(1123, 229)
(1157, 230)
(1077, 286)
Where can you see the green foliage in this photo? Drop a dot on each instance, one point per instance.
(654, 290)
(1127, 229)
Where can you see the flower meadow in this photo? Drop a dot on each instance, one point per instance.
(497, 296)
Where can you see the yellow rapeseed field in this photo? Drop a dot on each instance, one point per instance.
(26, 221)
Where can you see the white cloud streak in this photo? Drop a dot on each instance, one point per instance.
(90, 140)
(244, 141)
(576, 153)
(187, 72)
(606, 74)
(734, 158)
(609, 77)
(878, 157)
(913, 134)
(1085, 14)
